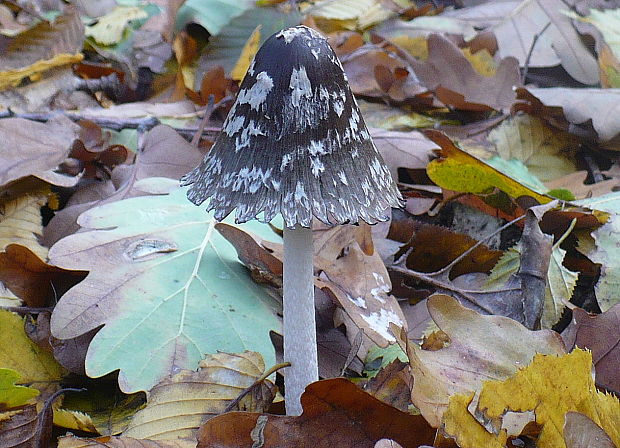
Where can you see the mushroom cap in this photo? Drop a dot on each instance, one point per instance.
(295, 143)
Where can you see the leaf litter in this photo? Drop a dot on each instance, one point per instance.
(468, 288)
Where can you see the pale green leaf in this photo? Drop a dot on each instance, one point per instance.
(608, 254)
(213, 15)
(166, 286)
(225, 48)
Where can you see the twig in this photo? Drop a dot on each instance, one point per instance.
(262, 378)
(526, 66)
(116, 124)
(26, 310)
(205, 120)
(439, 278)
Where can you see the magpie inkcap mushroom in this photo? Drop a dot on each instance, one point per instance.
(295, 143)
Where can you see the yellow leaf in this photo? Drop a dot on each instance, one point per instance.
(19, 353)
(41, 48)
(550, 387)
(75, 420)
(247, 55)
(12, 78)
(109, 29)
(458, 171)
(177, 406)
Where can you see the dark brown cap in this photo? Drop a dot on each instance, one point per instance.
(295, 143)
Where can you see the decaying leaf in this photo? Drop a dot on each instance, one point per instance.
(12, 395)
(455, 82)
(109, 29)
(481, 348)
(36, 149)
(178, 405)
(581, 432)
(545, 151)
(585, 331)
(18, 427)
(558, 44)
(41, 48)
(19, 353)
(336, 413)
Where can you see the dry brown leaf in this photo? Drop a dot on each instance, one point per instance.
(410, 150)
(455, 82)
(360, 285)
(372, 71)
(41, 48)
(559, 44)
(579, 106)
(581, 432)
(585, 331)
(18, 428)
(36, 149)
(481, 348)
(336, 414)
(32, 280)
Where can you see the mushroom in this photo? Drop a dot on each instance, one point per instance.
(294, 143)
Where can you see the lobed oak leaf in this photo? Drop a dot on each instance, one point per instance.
(481, 347)
(166, 287)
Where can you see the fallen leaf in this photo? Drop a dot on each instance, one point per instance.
(158, 257)
(455, 82)
(12, 395)
(559, 44)
(122, 442)
(547, 153)
(410, 150)
(179, 405)
(581, 432)
(109, 28)
(19, 353)
(227, 42)
(18, 428)
(456, 170)
(585, 331)
(582, 105)
(359, 284)
(391, 385)
(36, 149)
(605, 253)
(550, 387)
(20, 217)
(374, 72)
(246, 57)
(41, 48)
(481, 348)
(336, 413)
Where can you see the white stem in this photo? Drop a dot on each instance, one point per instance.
(299, 320)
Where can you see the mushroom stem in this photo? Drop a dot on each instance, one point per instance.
(299, 319)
